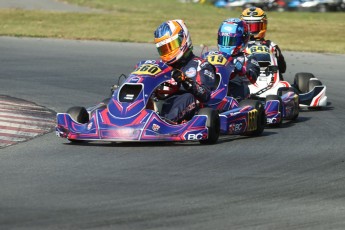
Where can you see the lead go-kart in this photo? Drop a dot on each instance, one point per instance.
(133, 111)
(284, 100)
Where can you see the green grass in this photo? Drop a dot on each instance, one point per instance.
(135, 21)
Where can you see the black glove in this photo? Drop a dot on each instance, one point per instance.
(178, 76)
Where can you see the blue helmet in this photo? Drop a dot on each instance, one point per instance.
(233, 36)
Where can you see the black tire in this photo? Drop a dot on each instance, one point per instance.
(79, 114)
(213, 125)
(313, 83)
(301, 81)
(277, 98)
(261, 119)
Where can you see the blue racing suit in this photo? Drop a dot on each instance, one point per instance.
(246, 71)
(200, 79)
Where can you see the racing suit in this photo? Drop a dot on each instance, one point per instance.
(272, 48)
(200, 79)
(246, 71)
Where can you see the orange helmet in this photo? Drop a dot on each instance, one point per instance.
(172, 40)
(257, 20)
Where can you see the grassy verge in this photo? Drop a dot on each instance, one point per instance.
(135, 21)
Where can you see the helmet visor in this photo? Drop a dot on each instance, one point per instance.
(256, 27)
(229, 41)
(167, 46)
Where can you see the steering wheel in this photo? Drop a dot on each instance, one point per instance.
(165, 90)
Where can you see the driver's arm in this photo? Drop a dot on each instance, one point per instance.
(201, 86)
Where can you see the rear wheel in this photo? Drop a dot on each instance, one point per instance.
(261, 116)
(213, 125)
(301, 81)
(313, 83)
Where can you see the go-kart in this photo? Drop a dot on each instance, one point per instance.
(283, 100)
(133, 112)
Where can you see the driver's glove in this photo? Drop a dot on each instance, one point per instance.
(178, 76)
(239, 66)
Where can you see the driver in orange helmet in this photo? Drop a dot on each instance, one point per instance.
(196, 75)
(257, 20)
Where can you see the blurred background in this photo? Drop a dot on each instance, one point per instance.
(279, 5)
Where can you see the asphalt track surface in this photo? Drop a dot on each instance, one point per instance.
(290, 178)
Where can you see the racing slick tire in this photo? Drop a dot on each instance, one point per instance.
(261, 119)
(213, 125)
(79, 114)
(276, 98)
(301, 81)
(313, 83)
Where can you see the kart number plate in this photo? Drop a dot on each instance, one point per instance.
(147, 69)
(216, 59)
(259, 49)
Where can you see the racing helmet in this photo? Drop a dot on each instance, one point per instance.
(172, 40)
(257, 21)
(233, 36)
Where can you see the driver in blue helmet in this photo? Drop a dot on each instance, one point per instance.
(233, 37)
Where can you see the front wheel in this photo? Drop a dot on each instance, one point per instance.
(213, 125)
(301, 81)
(79, 114)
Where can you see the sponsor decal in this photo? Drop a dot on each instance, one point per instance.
(235, 128)
(272, 120)
(254, 62)
(203, 64)
(195, 136)
(135, 79)
(155, 127)
(191, 72)
(200, 90)
(150, 62)
(209, 74)
(228, 28)
(225, 34)
(89, 126)
(129, 97)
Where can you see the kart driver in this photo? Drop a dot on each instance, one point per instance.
(196, 75)
(233, 37)
(257, 20)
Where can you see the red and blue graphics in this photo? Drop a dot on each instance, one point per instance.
(131, 113)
